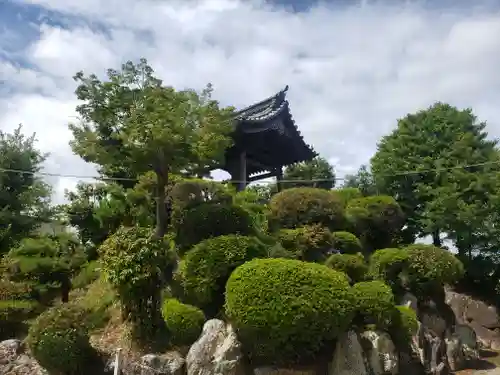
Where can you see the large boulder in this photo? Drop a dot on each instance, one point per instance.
(171, 363)
(348, 358)
(381, 353)
(217, 351)
(15, 360)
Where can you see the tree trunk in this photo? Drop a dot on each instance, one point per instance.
(65, 289)
(436, 238)
(161, 212)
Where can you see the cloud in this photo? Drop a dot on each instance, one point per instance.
(352, 70)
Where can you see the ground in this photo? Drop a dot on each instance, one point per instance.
(488, 364)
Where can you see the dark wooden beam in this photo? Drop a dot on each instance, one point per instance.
(278, 172)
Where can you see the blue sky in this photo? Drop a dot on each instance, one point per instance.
(353, 67)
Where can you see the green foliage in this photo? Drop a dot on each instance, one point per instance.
(376, 218)
(352, 265)
(346, 243)
(24, 197)
(286, 311)
(137, 263)
(48, 262)
(428, 263)
(389, 265)
(348, 193)
(443, 198)
(59, 341)
(87, 275)
(374, 302)
(251, 201)
(363, 181)
(207, 266)
(310, 243)
(184, 322)
(211, 220)
(404, 325)
(297, 207)
(317, 173)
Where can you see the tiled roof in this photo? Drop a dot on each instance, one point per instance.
(266, 109)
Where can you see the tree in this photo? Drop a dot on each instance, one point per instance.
(438, 195)
(24, 197)
(362, 180)
(132, 124)
(315, 173)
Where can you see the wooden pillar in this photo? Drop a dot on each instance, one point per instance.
(279, 178)
(242, 175)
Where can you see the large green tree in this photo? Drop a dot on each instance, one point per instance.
(423, 164)
(362, 180)
(132, 124)
(315, 173)
(24, 197)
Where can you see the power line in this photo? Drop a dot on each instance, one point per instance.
(396, 174)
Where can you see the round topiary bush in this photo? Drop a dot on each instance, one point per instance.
(206, 267)
(375, 303)
(346, 243)
(347, 194)
(376, 219)
(352, 265)
(297, 207)
(389, 265)
(59, 341)
(404, 325)
(309, 243)
(184, 322)
(428, 263)
(287, 311)
(211, 220)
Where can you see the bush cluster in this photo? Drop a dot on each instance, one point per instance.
(389, 265)
(346, 243)
(211, 220)
(206, 267)
(404, 325)
(309, 243)
(59, 341)
(184, 323)
(285, 310)
(296, 207)
(352, 265)
(374, 302)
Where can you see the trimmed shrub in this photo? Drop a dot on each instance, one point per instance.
(404, 325)
(297, 207)
(375, 303)
(59, 341)
(287, 311)
(207, 266)
(211, 220)
(184, 322)
(428, 263)
(347, 194)
(138, 264)
(87, 275)
(376, 219)
(352, 265)
(389, 265)
(310, 243)
(346, 243)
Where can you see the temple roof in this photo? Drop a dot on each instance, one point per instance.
(269, 135)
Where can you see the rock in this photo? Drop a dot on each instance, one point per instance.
(279, 371)
(454, 353)
(381, 353)
(468, 340)
(217, 351)
(170, 363)
(15, 361)
(348, 357)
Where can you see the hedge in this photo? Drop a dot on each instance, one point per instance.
(211, 220)
(206, 267)
(287, 311)
(346, 243)
(297, 207)
(308, 243)
(375, 303)
(184, 323)
(352, 265)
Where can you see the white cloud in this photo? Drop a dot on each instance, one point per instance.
(352, 71)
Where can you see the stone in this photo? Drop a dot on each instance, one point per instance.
(348, 356)
(409, 300)
(381, 353)
(217, 351)
(171, 363)
(454, 353)
(281, 371)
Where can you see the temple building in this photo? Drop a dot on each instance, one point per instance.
(266, 139)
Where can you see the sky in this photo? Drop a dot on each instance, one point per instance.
(353, 67)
